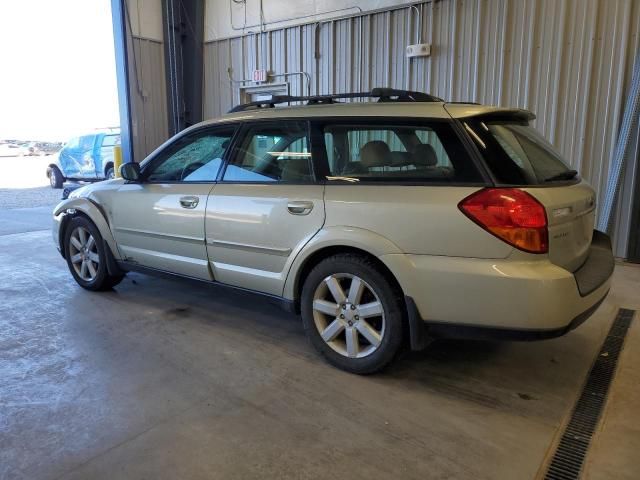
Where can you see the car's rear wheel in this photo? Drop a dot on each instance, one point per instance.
(352, 313)
(55, 177)
(86, 256)
(110, 173)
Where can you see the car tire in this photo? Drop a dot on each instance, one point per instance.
(56, 180)
(110, 173)
(86, 256)
(344, 327)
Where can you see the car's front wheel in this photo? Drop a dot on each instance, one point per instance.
(352, 313)
(110, 173)
(55, 177)
(86, 256)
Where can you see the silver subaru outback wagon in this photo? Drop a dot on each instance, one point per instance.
(382, 223)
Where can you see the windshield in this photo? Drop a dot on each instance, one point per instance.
(517, 154)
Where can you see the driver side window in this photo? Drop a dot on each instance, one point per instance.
(193, 158)
(272, 153)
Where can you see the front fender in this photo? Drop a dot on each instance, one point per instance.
(95, 214)
(338, 236)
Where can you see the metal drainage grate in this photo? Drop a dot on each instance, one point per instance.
(570, 453)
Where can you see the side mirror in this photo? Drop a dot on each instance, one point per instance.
(130, 171)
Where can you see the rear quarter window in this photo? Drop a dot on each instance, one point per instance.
(516, 154)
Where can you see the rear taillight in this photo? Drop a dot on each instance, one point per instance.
(511, 215)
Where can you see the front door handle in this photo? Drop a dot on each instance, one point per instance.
(300, 208)
(189, 202)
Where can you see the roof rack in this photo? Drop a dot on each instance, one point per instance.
(382, 94)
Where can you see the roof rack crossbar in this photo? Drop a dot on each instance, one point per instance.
(382, 94)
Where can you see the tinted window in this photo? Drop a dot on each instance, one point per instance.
(194, 158)
(272, 153)
(427, 152)
(516, 153)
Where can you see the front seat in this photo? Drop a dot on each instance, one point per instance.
(375, 153)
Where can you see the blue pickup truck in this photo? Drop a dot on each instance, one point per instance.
(87, 158)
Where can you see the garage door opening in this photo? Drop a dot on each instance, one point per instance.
(58, 98)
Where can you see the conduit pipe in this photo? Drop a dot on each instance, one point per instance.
(622, 150)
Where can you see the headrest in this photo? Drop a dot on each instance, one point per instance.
(375, 153)
(424, 155)
(400, 159)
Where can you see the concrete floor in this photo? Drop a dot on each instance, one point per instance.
(166, 379)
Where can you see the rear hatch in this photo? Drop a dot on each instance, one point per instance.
(571, 216)
(517, 155)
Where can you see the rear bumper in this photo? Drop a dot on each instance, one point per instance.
(506, 299)
(599, 265)
(441, 330)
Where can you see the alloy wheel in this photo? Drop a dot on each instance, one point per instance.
(349, 315)
(83, 252)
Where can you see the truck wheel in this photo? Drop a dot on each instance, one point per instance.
(55, 177)
(352, 314)
(110, 173)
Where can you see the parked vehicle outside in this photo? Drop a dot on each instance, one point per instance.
(383, 224)
(13, 150)
(43, 148)
(88, 158)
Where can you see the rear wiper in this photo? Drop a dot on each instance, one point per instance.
(566, 175)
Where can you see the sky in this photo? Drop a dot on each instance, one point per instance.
(57, 68)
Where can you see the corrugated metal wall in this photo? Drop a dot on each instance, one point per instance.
(146, 72)
(149, 121)
(568, 61)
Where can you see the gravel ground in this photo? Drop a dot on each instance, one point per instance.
(29, 197)
(24, 184)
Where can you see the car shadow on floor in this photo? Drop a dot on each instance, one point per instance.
(513, 378)
(480, 371)
(263, 316)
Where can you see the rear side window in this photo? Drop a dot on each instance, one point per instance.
(517, 154)
(392, 152)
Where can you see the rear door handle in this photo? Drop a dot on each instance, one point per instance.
(300, 208)
(189, 201)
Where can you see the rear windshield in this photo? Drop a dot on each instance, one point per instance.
(375, 151)
(517, 154)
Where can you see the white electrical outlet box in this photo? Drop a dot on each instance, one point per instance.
(419, 50)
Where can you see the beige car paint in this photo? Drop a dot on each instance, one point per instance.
(571, 212)
(417, 219)
(254, 231)
(507, 293)
(156, 225)
(89, 208)
(455, 271)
